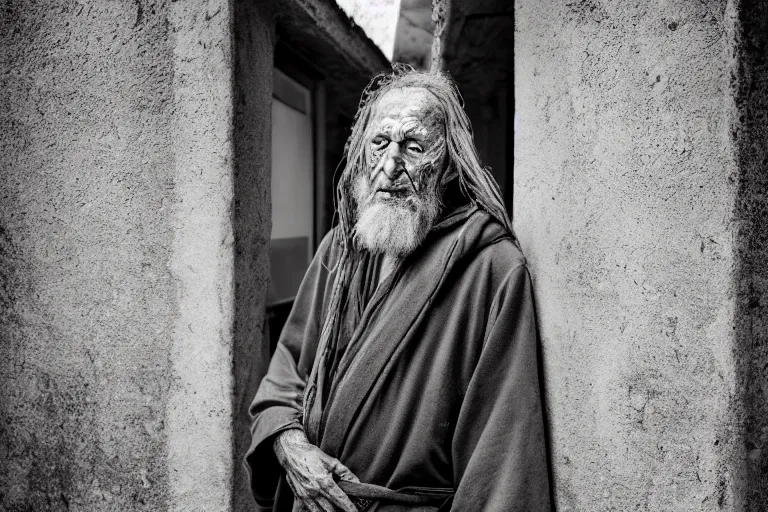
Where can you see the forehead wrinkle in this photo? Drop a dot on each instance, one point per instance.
(407, 101)
(412, 125)
(397, 129)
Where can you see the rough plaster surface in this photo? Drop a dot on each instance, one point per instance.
(254, 45)
(626, 191)
(750, 131)
(115, 256)
(87, 296)
(199, 412)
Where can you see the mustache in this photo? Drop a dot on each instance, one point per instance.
(412, 194)
(423, 188)
(396, 185)
(413, 185)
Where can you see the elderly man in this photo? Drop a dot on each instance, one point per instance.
(406, 375)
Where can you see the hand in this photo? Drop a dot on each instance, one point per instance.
(309, 472)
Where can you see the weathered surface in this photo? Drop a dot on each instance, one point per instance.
(750, 131)
(254, 46)
(199, 412)
(116, 253)
(88, 298)
(641, 221)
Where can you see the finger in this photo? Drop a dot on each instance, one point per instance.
(312, 506)
(325, 505)
(336, 495)
(292, 483)
(342, 471)
(300, 492)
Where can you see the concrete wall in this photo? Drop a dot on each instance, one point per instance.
(117, 255)
(254, 45)
(199, 410)
(629, 174)
(750, 132)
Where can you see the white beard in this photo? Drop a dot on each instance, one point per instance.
(395, 227)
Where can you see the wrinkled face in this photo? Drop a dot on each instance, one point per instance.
(405, 143)
(398, 192)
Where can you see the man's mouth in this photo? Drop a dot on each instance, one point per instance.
(393, 192)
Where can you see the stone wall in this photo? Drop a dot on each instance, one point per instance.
(630, 188)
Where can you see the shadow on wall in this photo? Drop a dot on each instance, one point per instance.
(255, 39)
(751, 246)
(545, 409)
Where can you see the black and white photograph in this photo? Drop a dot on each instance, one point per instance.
(383, 255)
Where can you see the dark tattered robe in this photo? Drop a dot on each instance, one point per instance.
(436, 385)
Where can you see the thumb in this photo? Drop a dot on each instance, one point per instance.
(342, 471)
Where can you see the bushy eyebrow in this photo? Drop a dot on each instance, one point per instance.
(408, 127)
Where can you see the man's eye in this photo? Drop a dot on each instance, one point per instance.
(378, 143)
(414, 148)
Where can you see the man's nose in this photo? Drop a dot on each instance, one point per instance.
(391, 161)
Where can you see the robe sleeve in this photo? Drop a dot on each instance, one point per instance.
(277, 405)
(499, 448)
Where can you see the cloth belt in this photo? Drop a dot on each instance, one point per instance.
(363, 495)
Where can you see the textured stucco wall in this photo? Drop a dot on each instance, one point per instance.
(626, 184)
(750, 131)
(254, 47)
(116, 254)
(199, 411)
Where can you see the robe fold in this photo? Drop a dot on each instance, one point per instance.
(435, 387)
